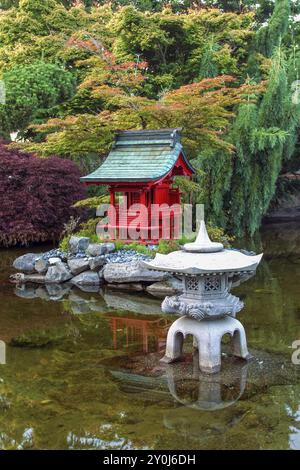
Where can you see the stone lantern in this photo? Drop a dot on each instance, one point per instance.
(206, 307)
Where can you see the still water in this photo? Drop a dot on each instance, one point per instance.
(82, 369)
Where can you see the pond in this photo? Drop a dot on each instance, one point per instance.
(82, 369)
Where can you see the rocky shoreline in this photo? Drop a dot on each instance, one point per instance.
(89, 265)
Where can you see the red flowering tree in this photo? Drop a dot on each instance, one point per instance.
(36, 196)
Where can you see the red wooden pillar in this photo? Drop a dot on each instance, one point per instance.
(112, 215)
(144, 218)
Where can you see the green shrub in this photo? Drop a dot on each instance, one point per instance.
(86, 229)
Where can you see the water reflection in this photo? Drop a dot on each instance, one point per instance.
(142, 334)
(83, 368)
(2, 352)
(207, 392)
(91, 299)
(294, 436)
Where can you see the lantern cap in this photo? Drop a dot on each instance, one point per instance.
(203, 243)
(205, 257)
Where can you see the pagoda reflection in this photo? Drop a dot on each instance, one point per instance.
(138, 334)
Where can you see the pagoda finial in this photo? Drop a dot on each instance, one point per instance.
(203, 243)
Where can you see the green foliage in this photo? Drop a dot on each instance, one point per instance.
(264, 137)
(93, 202)
(31, 92)
(86, 229)
(271, 35)
(223, 73)
(142, 249)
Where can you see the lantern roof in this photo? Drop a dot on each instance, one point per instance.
(204, 257)
(141, 156)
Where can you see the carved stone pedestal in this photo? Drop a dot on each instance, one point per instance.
(207, 335)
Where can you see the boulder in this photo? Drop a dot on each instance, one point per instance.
(58, 273)
(25, 263)
(97, 263)
(53, 260)
(78, 265)
(87, 278)
(41, 265)
(35, 278)
(110, 247)
(17, 278)
(169, 287)
(78, 244)
(98, 249)
(132, 272)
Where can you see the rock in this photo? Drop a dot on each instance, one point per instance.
(78, 244)
(161, 289)
(132, 272)
(55, 253)
(25, 263)
(35, 278)
(17, 278)
(126, 256)
(58, 273)
(110, 247)
(97, 263)
(78, 265)
(54, 260)
(134, 286)
(41, 265)
(97, 249)
(86, 278)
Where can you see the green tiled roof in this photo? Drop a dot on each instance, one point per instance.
(140, 156)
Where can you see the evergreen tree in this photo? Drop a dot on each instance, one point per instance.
(31, 92)
(264, 136)
(270, 36)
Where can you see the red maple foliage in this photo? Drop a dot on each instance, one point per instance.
(36, 196)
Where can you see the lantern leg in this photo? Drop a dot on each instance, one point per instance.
(239, 342)
(209, 354)
(174, 345)
(207, 337)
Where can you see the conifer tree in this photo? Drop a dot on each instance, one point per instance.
(264, 136)
(270, 35)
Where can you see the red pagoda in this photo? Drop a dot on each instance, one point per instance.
(140, 169)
